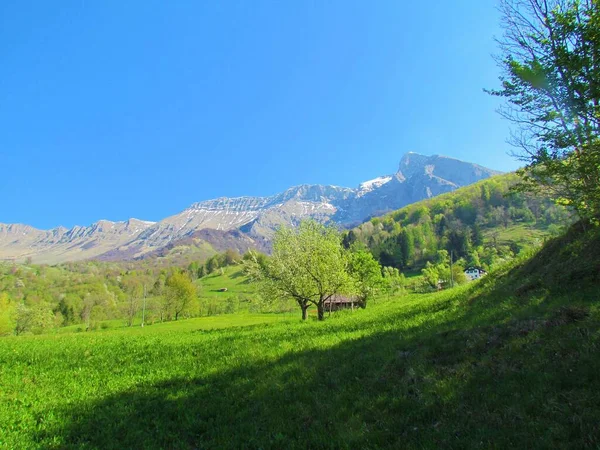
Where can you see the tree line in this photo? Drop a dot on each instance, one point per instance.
(37, 298)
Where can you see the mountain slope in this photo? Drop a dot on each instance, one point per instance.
(481, 224)
(20, 242)
(418, 177)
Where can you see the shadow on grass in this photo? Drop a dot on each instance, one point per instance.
(490, 367)
(237, 274)
(458, 389)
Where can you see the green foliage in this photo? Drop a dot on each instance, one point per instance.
(442, 274)
(213, 263)
(481, 222)
(180, 295)
(32, 319)
(194, 270)
(311, 264)
(90, 293)
(7, 315)
(549, 55)
(231, 257)
(308, 265)
(394, 281)
(218, 261)
(366, 274)
(134, 291)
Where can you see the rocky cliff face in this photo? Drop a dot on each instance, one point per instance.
(253, 219)
(19, 242)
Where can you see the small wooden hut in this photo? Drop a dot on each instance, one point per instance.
(338, 301)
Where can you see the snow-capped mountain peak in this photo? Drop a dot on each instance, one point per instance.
(251, 220)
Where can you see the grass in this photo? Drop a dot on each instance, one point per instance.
(199, 323)
(232, 279)
(239, 294)
(524, 235)
(510, 361)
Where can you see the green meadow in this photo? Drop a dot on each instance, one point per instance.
(237, 296)
(203, 323)
(510, 361)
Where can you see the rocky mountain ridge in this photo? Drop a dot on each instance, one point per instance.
(256, 218)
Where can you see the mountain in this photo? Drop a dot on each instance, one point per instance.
(418, 177)
(252, 219)
(19, 242)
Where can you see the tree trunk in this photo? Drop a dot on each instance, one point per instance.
(320, 311)
(304, 312)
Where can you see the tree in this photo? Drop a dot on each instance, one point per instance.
(180, 293)
(35, 319)
(7, 315)
(550, 55)
(212, 264)
(431, 274)
(68, 309)
(349, 238)
(134, 291)
(231, 257)
(440, 274)
(406, 245)
(194, 269)
(366, 273)
(473, 259)
(94, 309)
(308, 265)
(476, 235)
(393, 279)
(459, 241)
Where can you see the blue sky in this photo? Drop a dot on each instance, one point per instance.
(138, 109)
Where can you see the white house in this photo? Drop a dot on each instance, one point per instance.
(474, 273)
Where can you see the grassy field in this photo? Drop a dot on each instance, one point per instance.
(240, 295)
(524, 235)
(232, 279)
(510, 361)
(199, 323)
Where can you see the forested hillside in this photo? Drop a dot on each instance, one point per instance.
(39, 298)
(480, 225)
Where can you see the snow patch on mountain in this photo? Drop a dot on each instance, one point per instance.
(368, 186)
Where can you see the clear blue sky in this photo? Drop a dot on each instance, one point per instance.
(118, 109)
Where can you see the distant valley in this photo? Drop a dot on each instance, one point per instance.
(243, 222)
